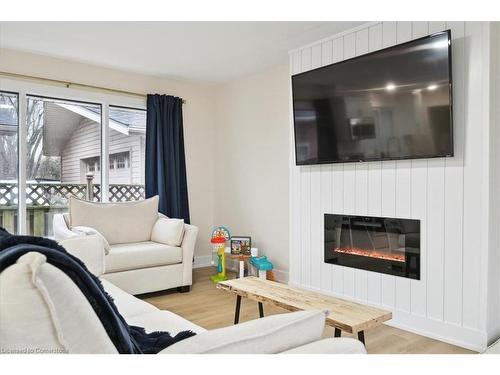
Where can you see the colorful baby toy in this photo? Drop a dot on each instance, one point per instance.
(219, 237)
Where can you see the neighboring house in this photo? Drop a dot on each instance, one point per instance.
(73, 132)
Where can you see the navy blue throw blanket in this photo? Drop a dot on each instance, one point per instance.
(127, 339)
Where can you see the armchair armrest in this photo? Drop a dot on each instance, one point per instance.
(89, 249)
(187, 245)
(61, 229)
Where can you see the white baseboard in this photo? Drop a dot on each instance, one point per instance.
(450, 333)
(202, 261)
(281, 276)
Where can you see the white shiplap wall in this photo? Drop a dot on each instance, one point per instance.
(447, 195)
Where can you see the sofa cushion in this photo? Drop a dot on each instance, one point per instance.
(123, 222)
(127, 304)
(129, 256)
(340, 345)
(42, 309)
(272, 334)
(163, 321)
(168, 231)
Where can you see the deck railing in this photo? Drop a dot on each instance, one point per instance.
(43, 200)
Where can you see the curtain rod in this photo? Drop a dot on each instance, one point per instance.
(74, 84)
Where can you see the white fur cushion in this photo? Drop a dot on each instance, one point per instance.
(168, 231)
(272, 334)
(44, 311)
(118, 222)
(88, 231)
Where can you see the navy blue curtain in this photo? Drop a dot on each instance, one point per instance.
(165, 159)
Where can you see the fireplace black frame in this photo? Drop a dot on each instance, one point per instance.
(403, 259)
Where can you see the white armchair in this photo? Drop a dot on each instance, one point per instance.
(142, 251)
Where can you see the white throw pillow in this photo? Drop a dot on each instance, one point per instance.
(43, 311)
(123, 222)
(88, 231)
(269, 335)
(168, 231)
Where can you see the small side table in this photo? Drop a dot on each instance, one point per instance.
(242, 259)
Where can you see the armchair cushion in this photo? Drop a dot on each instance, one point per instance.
(168, 231)
(272, 334)
(124, 222)
(129, 256)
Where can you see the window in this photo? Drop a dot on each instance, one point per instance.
(60, 135)
(63, 142)
(92, 164)
(119, 161)
(127, 131)
(8, 161)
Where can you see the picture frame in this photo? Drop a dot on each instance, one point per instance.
(241, 245)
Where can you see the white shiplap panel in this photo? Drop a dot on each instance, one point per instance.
(374, 180)
(305, 224)
(326, 52)
(403, 190)
(419, 212)
(349, 208)
(454, 198)
(435, 227)
(316, 228)
(474, 97)
(316, 56)
(435, 238)
(389, 34)
(295, 270)
(361, 184)
(338, 208)
(362, 42)
(349, 45)
(326, 185)
(420, 29)
(388, 210)
(404, 31)
(305, 197)
(436, 26)
(338, 50)
(419, 209)
(326, 207)
(388, 283)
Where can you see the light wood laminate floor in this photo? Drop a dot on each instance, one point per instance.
(212, 308)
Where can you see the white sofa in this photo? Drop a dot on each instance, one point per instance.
(43, 311)
(143, 251)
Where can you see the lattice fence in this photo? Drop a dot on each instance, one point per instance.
(58, 194)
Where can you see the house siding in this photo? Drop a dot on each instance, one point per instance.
(86, 143)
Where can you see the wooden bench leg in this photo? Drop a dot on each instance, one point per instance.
(337, 333)
(237, 310)
(361, 337)
(261, 310)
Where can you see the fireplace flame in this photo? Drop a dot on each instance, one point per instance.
(371, 254)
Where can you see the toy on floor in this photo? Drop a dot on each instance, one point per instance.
(264, 266)
(219, 237)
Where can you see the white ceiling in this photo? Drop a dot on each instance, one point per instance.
(201, 51)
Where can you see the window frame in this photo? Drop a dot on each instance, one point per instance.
(26, 88)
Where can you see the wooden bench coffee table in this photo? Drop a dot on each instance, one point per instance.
(344, 315)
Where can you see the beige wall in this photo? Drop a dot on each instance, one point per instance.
(252, 116)
(198, 120)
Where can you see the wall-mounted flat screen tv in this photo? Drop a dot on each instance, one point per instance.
(395, 103)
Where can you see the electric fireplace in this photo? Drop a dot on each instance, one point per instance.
(379, 244)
